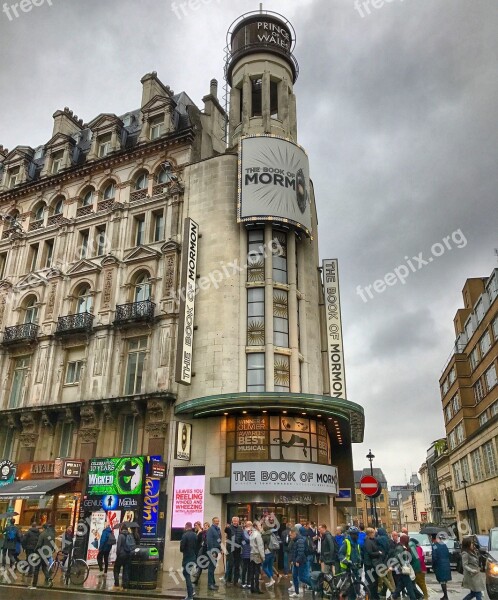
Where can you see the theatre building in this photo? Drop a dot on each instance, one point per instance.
(161, 295)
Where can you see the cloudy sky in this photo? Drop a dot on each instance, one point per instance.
(398, 112)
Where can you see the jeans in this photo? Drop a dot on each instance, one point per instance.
(44, 567)
(233, 559)
(103, 560)
(122, 561)
(211, 567)
(476, 595)
(300, 574)
(188, 581)
(11, 552)
(403, 582)
(268, 565)
(245, 571)
(286, 562)
(254, 570)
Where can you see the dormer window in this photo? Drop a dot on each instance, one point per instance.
(57, 162)
(156, 128)
(14, 177)
(104, 145)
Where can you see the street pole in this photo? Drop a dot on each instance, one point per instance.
(375, 521)
(464, 483)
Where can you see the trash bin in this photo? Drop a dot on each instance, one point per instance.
(144, 569)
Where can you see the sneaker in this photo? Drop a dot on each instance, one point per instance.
(293, 595)
(291, 589)
(115, 588)
(32, 587)
(222, 579)
(270, 583)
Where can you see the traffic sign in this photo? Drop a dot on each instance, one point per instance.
(369, 486)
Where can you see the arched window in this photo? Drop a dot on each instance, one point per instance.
(31, 310)
(165, 174)
(59, 206)
(87, 199)
(40, 212)
(84, 300)
(110, 191)
(142, 181)
(142, 288)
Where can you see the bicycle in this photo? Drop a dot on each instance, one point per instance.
(337, 587)
(76, 572)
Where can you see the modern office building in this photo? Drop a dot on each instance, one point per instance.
(161, 295)
(469, 397)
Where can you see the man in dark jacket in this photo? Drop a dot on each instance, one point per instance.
(45, 547)
(105, 548)
(213, 539)
(372, 557)
(188, 547)
(328, 551)
(234, 547)
(285, 537)
(299, 562)
(11, 537)
(29, 542)
(123, 558)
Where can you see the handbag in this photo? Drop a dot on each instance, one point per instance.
(406, 569)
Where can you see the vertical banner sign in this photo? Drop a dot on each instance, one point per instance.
(414, 506)
(183, 441)
(150, 512)
(335, 350)
(183, 371)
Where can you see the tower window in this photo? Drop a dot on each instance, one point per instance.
(256, 372)
(257, 98)
(274, 99)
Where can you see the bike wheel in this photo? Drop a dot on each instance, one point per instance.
(79, 572)
(361, 591)
(52, 572)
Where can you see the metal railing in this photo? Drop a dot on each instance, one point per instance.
(134, 311)
(26, 332)
(75, 323)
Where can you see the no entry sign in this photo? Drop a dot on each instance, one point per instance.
(370, 486)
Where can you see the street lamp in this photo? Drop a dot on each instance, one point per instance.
(373, 503)
(464, 483)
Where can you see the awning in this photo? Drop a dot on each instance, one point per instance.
(31, 489)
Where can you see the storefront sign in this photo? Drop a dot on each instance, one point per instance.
(344, 495)
(72, 468)
(252, 438)
(42, 468)
(284, 476)
(7, 472)
(188, 500)
(184, 352)
(335, 351)
(157, 470)
(414, 506)
(183, 441)
(294, 499)
(115, 483)
(263, 31)
(274, 182)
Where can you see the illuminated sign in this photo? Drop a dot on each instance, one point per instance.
(335, 350)
(188, 500)
(7, 472)
(183, 441)
(115, 483)
(274, 182)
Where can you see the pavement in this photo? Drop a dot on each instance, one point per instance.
(97, 587)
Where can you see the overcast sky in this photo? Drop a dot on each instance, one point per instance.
(398, 112)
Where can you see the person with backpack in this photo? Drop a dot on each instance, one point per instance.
(419, 566)
(29, 543)
(471, 570)
(107, 541)
(268, 561)
(45, 541)
(285, 537)
(257, 558)
(11, 537)
(350, 557)
(387, 546)
(299, 561)
(124, 547)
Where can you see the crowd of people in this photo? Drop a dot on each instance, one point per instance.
(393, 563)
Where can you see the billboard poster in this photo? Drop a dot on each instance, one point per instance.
(115, 484)
(98, 522)
(150, 510)
(188, 500)
(274, 182)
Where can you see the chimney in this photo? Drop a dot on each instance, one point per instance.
(3, 153)
(213, 90)
(66, 122)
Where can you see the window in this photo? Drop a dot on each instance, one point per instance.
(87, 198)
(156, 127)
(8, 444)
(469, 330)
(483, 418)
(130, 435)
(488, 452)
(474, 358)
(139, 230)
(66, 440)
(457, 475)
(49, 253)
(450, 503)
(274, 99)
(494, 409)
(256, 372)
(485, 343)
(495, 328)
(110, 192)
(142, 288)
(21, 366)
(447, 413)
(455, 401)
(57, 161)
(279, 251)
(492, 289)
(31, 314)
(445, 386)
(137, 349)
(84, 301)
(142, 182)
(281, 373)
(165, 174)
(73, 372)
(480, 310)
(104, 146)
(3, 263)
(257, 97)
(490, 376)
(256, 317)
(465, 469)
(14, 177)
(452, 375)
(281, 318)
(33, 257)
(59, 207)
(40, 213)
(100, 238)
(255, 255)
(84, 240)
(158, 226)
(451, 440)
(460, 435)
(478, 390)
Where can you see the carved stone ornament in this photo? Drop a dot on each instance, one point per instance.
(12, 421)
(28, 440)
(68, 415)
(89, 436)
(156, 430)
(28, 422)
(108, 414)
(88, 417)
(157, 424)
(46, 420)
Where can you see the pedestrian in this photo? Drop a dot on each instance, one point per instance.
(387, 546)
(362, 535)
(328, 552)
(419, 566)
(441, 563)
(395, 537)
(299, 561)
(213, 539)
(234, 550)
(269, 558)
(350, 557)
(46, 540)
(124, 548)
(11, 537)
(372, 558)
(107, 541)
(201, 549)
(471, 570)
(404, 582)
(188, 547)
(285, 537)
(66, 543)
(257, 558)
(339, 536)
(29, 542)
(246, 554)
